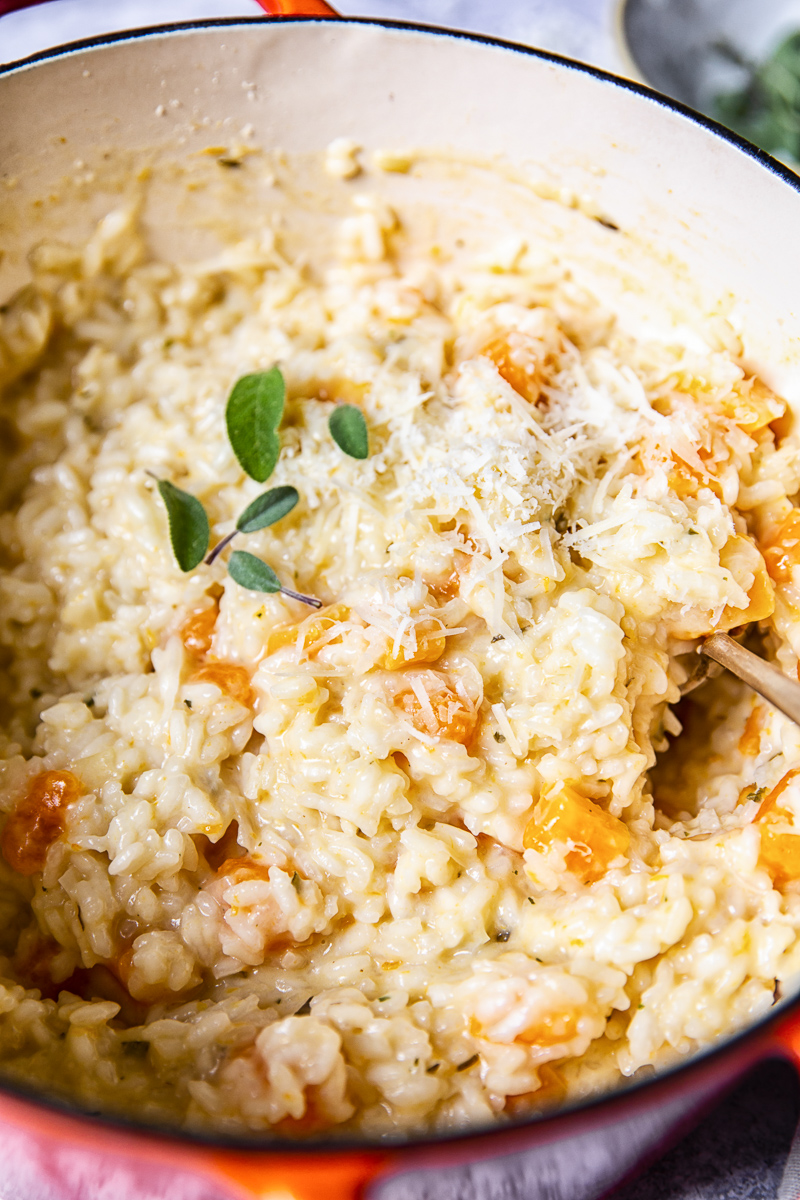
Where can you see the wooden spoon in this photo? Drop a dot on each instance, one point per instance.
(761, 676)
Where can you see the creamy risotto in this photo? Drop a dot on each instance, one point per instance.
(401, 861)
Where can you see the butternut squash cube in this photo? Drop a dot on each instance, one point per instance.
(780, 854)
(313, 630)
(593, 838)
(445, 715)
(229, 678)
(740, 550)
(431, 643)
(783, 551)
(515, 357)
(780, 850)
(752, 405)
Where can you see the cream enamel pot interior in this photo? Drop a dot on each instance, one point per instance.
(649, 203)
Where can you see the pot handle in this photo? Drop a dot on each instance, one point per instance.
(273, 8)
(343, 1176)
(297, 8)
(785, 1039)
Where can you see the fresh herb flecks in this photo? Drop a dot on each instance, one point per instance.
(255, 575)
(470, 1062)
(253, 414)
(188, 525)
(349, 430)
(265, 510)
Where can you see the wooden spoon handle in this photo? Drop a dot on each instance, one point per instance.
(762, 676)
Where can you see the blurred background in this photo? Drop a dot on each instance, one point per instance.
(578, 28)
(735, 60)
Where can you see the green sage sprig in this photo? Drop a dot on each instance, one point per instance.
(252, 416)
(189, 534)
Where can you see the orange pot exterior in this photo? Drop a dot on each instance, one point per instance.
(786, 1038)
(297, 8)
(346, 1175)
(319, 1177)
(242, 1175)
(275, 8)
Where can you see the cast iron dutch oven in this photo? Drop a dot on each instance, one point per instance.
(669, 188)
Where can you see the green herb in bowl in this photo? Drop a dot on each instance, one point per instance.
(767, 109)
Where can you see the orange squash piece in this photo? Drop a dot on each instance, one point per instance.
(753, 405)
(739, 555)
(761, 595)
(750, 741)
(229, 678)
(780, 851)
(430, 647)
(770, 800)
(445, 589)
(782, 552)
(516, 360)
(550, 1029)
(38, 820)
(237, 870)
(560, 1025)
(780, 854)
(448, 716)
(593, 837)
(197, 631)
(313, 629)
(686, 481)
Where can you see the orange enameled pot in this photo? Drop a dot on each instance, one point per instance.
(655, 205)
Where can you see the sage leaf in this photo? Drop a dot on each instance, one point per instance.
(267, 508)
(264, 510)
(188, 525)
(255, 575)
(349, 430)
(252, 573)
(252, 415)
